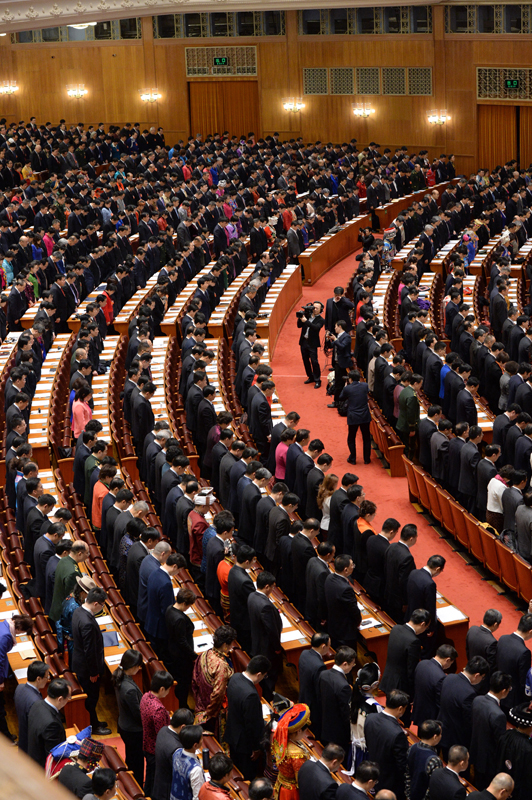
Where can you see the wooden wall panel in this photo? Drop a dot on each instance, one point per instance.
(497, 134)
(525, 137)
(217, 106)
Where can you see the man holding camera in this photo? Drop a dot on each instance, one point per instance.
(311, 322)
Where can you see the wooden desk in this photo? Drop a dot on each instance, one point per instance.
(129, 309)
(455, 629)
(219, 317)
(318, 258)
(279, 302)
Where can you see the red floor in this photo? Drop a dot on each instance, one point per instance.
(460, 583)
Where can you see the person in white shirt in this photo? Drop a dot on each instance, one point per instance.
(496, 487)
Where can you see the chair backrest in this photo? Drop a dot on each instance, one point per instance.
(459, 523)
(423, 495)
(523, 570)
(507, 562)
(412, 485)
(432, 491)
(491, 557)
(444, 499)
(473, 533)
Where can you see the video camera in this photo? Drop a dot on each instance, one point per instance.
(306, 311)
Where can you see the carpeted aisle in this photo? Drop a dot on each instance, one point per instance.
(459, 582)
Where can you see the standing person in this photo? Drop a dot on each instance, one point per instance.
(343, 614)
(166, 744)
(376, 548)
(423, 758)
(309, 342)
(180, 630)
(514, 658)
(387, 744)
(160, 594)
(187, 771)
(445, 783)
(245, 723)
(9, 628)
(399, 563)
(45, 726)
(316, 781)
(212, 671)
(408, 420)
(456, 701)
(240, 586)
(26, 694)
(66, 572)
(428, 679)
(325, 493)
(266, 627)
(154, 717)
(514, 751)
(358, 415)
(404, 652)
(311, 665)
(480, 641)
(343, 359)
(88, 654)
(289, 754)
(335, 692)
(128, 697)
(488, 725)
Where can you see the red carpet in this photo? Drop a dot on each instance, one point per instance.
(460, 583)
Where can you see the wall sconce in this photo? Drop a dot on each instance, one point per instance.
(362, 110)
(436, 117)
(77, 90)
(8, 87)
(294, 104)
(150, 95)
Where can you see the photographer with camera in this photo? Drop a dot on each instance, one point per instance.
(311, 322)
(342, 359)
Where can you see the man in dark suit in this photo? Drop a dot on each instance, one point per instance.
(516, 334)
(240, 586)
(486, 470)
(439, 452)
(421, 593)
(292, 455)
(514, 658)
(335, 695)
(466, 410)
(480, 641)
(428, 679)
(456, 700)
(399, 563)
(488, 725)
(303, 465)
(426, 428)
(83, 451)
(45, 727)
(309, 343)
(220, 449)
(43, 551)
(338, 502)
(303, 551)
(260, 418)
(358, 416)
(87, 658)
(214, 553)
(314, 480)
(316, 573)
(26, 694)
(166, 744)
(290, 421)
(376, 547)
(194, 398)
(342, 359)
(502, 424)
(315, 778)
(136, 555)
(461, 430)
(343, 614)
(387, 744)
(235, 453)
(404, 652)
(501, 787)
(444, 782)
(206, 418)
(245, 723)
(338, 307)
(310, 667)
(251, 496)
(142, 417)
(266, 627)
(499, 311)
(469, 458)
(431, 374)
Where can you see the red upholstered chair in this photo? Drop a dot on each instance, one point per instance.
(412, 485)
(475, 541)
(523, 571)
(460, 528)
(507, 563)
(423, 495)
(491, 554)
(445, 499)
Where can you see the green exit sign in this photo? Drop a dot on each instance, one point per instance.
(221, 61)
(512, 83)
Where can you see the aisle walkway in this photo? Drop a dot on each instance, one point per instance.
(460, 582)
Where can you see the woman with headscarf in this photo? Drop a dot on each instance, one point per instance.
(289, 753)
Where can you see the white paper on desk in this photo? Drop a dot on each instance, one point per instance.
(291, 636)
(199, 625)
(22, 673)
(286, 622)
(112, 660)
(21, 646)
(449, 614)
(6, 614)
(203, 642)
(370, 622)
(266, 711)
(104, 620)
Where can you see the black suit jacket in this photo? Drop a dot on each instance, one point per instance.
(313, 327)
(399, 563)
(292, 455)
(166, 744)
(466, 410)
(142, 418)
(43, 551)
(338, 503)
(481, 642)
(376, 548)
(87, 658)
(316, 782)
(486, 470)
(262, 517)
(387, 745)
(45, 731)
(444, 784)
(426, 428)
(428, 680)
(248, 513)
(260, 420)
(315, 606)
(266, 626)
(314, 480)
(278, 526)
(136, 555)
(489, 724)
(335, 693)
(431, 383)
(343, 614)
(245, 723)
(240, 587)
(421, 593)
(310, 667)
(469, 458)
(513, 657)
(404, 650)
(302, 553)
(456, 700)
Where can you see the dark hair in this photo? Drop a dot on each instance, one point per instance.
(319, 639)
(367, 771)
(37, 669)
(103, 779)
(131, 658)
(258, 664)
(220, 765)
(265, 579)
(396, 698)
(491, 617)
(333, 752)
(97, 595)
(344, 654)
(341, 562)
(419, 616)
(500, 681)
(429, 728)
(447, 651)
(59, 687)
(183, 716)
(260, 789)
(436, 562)
(190, 735)
(225, 634)
(478, 664)
(161, 680)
